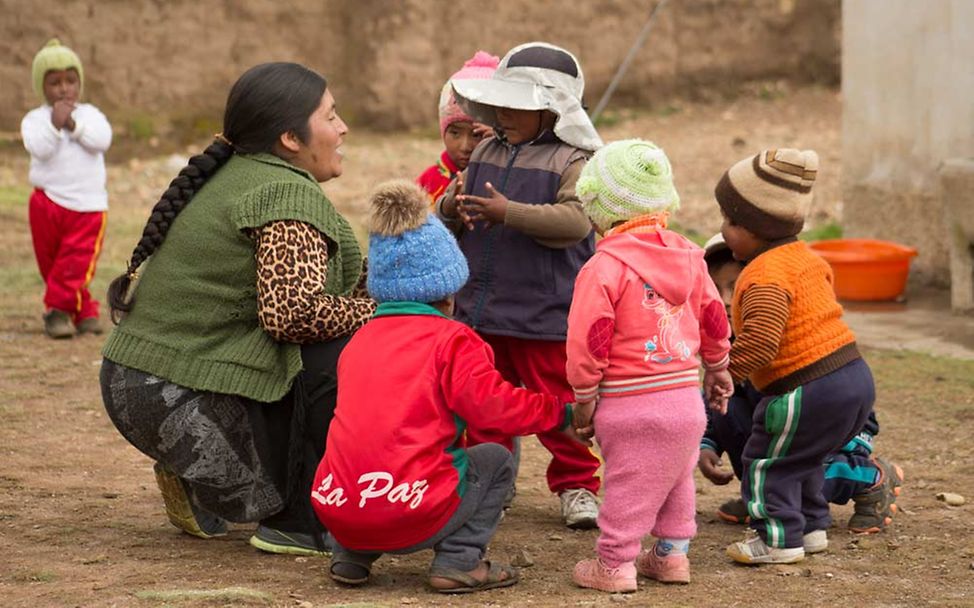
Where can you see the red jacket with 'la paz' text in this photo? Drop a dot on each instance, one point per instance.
(409, 382)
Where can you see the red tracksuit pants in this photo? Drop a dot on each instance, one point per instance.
(540, 366)
(66, 245)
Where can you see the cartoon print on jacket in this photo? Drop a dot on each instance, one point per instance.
(666, 345)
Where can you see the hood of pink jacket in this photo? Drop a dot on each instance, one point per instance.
(664, 259)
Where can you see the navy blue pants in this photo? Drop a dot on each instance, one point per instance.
(791, 436)
(849, 472)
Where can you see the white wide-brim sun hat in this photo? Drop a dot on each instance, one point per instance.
(534, 76)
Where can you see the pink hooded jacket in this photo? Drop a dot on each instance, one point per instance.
(644, 308)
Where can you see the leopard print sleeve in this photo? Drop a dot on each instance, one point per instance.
(292, 265)
(361, 290)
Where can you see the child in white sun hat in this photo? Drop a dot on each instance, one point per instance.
(525, 236)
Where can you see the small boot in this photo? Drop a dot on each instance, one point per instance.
(90, 325)
(734, 511)
(57, 324)
(875, 507)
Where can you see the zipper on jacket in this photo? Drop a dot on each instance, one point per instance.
(488, 246)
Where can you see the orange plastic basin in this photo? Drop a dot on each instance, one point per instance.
(866, 269)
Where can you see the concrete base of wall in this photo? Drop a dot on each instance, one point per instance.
(957, 194)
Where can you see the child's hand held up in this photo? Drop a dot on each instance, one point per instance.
(61, 114)
(491, 209)
(480, 130)
(453, 205)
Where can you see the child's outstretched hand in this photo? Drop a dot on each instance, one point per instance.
(582, 414)
(710, 465)
(718, 386)
(453, 206)
(580, 436)
(491, 209)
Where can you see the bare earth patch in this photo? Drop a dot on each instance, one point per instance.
(81, 521)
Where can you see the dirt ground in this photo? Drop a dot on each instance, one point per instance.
(81, 521)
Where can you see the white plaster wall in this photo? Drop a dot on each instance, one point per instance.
(908, 95)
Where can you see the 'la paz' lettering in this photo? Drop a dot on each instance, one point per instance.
(377, 484)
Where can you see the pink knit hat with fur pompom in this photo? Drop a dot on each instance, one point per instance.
(479, 67)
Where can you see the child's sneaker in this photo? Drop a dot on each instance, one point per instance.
(593, 574)
(875, 507)
(57, 324)
(815, 541)
(673, 568)
(734, 511)
(181, 512)
(579, 508)
(752, 550)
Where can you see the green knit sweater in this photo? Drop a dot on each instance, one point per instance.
(194, 322)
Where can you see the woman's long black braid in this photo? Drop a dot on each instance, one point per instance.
(181, 190)
(267, 100)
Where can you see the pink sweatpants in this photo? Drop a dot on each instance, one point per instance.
(650, 444)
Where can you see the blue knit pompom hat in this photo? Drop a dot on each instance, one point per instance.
(412, 256)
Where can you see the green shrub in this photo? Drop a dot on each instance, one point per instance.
(141, 127)
(831, 230)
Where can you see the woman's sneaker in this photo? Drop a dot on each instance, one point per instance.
(875, 507)
(752, 550)
(181, 511)
(672, 568)
(815, 541)
(593, 574)
(271, 540)
(734, 511)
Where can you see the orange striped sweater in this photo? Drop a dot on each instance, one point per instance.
(787, 323)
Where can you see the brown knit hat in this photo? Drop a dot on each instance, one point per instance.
(769, 194)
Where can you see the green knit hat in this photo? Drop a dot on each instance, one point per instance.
(55, 56)
(626, 179)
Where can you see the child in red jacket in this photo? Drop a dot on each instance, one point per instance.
(395, 477)
(460, 132)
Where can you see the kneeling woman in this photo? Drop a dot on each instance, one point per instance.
(238, 299)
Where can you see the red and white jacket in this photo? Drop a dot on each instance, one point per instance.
(643, 309)
(409, 381)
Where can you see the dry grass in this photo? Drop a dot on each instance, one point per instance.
(701, 139)
(81, 521)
